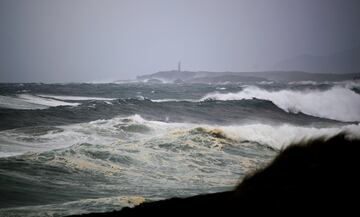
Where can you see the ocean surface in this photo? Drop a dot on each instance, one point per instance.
(85, 147)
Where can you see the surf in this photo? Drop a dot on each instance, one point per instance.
(336, 103)
(28, 101)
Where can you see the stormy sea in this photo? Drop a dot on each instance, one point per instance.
(95, 147)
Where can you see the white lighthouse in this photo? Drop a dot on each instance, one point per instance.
(179, 66)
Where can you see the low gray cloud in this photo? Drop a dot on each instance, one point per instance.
(89, 40)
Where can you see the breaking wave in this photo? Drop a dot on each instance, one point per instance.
(43, 101)
(76, 148)
(103, 132)
(133, 156)
(28, 101)
(338, 103)
(75, 98)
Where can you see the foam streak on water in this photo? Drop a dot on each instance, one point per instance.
(27, 101)
(77, 148)
(103, 132)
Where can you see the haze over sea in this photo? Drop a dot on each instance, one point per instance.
(86, 147)
(85, 127)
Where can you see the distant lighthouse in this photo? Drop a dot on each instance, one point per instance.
(179, 66)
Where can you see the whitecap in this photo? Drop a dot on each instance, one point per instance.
(76, 98)
(28, 101)
(338, 103)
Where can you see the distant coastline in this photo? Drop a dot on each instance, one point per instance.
(176, 76)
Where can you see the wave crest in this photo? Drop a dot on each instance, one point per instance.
(28, 101)
(338, 103)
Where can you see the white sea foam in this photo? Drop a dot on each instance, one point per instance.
(76, 98)
(100, 132)
(303, 82)
(178, 157)
(17, 103)
(337, 103)
(107, 132)
(266, 82)
(281, 136)
(28, 101)
(174, 100)
(44, 101)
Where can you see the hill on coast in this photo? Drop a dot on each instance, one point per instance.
(234, 77)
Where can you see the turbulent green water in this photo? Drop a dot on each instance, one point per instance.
(77, 148)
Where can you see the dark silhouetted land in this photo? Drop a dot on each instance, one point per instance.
(317, 176)
(235, 77)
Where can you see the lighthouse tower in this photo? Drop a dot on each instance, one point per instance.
(179, 66)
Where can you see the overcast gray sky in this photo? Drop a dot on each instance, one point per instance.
(88, 40)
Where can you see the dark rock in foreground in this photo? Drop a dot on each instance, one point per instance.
(318, 176)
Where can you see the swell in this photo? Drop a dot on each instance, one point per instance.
(208, 111)
(28, 101)
(126, 164)
(338, 103)
(71, 103)
(135, 156)
(109, 131)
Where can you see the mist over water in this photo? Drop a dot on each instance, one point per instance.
(89, 40)
(78, 148)
(233, 83)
